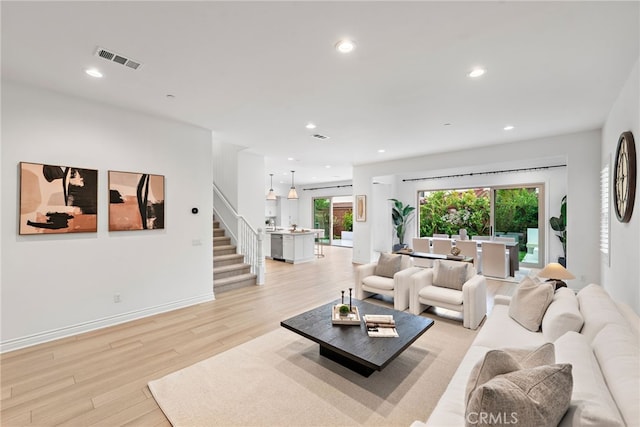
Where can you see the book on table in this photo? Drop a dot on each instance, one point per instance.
(380, 325)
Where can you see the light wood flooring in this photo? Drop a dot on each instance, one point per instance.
(100, 378)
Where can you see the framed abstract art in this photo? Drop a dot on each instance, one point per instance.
(361, 207)
(136, 201)
(57, 199)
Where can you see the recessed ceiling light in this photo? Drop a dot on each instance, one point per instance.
(328, 166)
(290, 159)
(509, 127)
(310, 126)
(477, 72)
(381, 150)
(93, 72)
(170, 96)
(345, 46)
(447, 124)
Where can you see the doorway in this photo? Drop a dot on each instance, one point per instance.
(334, 215)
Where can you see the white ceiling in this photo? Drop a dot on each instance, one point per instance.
(256, 72)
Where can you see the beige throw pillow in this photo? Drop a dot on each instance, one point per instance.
(530, 302)
(532, 397)
(503, 361)
(388, 265)
(449, 274)
(562, 315)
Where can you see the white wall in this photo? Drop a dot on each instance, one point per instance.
(251, 196)
(621, 278)
(238, 174)
(57, 285)
(225, 170)
(581, 151)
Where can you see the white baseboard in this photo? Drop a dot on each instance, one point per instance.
(54, 334)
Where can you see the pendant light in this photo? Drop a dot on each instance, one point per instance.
(293, 194)
(271, 195)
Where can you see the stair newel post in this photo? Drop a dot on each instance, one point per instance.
(260, 253)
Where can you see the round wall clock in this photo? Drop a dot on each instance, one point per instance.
(624, 177)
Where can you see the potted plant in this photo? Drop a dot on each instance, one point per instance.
(344, 310)
(401, 214)
(559, 225)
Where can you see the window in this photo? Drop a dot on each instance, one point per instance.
(604, 214)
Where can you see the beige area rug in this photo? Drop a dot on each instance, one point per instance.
(279, 379)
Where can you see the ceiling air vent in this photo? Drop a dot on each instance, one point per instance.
(317, 135)
(116, 57)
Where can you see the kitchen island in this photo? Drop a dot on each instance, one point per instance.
(291, 246)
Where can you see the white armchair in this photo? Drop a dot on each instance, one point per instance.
(452, 285)
(387, 279)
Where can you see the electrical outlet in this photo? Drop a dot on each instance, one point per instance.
(116, 298)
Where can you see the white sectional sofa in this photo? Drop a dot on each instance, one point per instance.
(597, 336)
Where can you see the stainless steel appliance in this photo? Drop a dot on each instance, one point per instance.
(276, 247)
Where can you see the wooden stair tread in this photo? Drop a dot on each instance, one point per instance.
(239, 266)
(229, 271)
(227, 257)
(234, 279)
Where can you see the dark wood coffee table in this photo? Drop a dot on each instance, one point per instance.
(350, 345)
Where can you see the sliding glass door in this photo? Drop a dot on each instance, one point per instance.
(517, 214)
(448, 211)
(512, 212)
(334, 215)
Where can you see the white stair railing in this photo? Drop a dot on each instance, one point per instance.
(248, 241)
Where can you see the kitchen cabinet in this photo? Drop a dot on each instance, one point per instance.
(288, 249)
(270, 208)
(304, 247)
(297, 246)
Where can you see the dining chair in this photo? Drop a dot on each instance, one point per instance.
(495, 260)
(481, 238)
(421, 244)
(470, 248)
(442, 246)
(440, 236)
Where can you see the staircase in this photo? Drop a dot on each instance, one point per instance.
(229, 269)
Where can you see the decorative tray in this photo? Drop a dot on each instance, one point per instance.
(352, 318)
